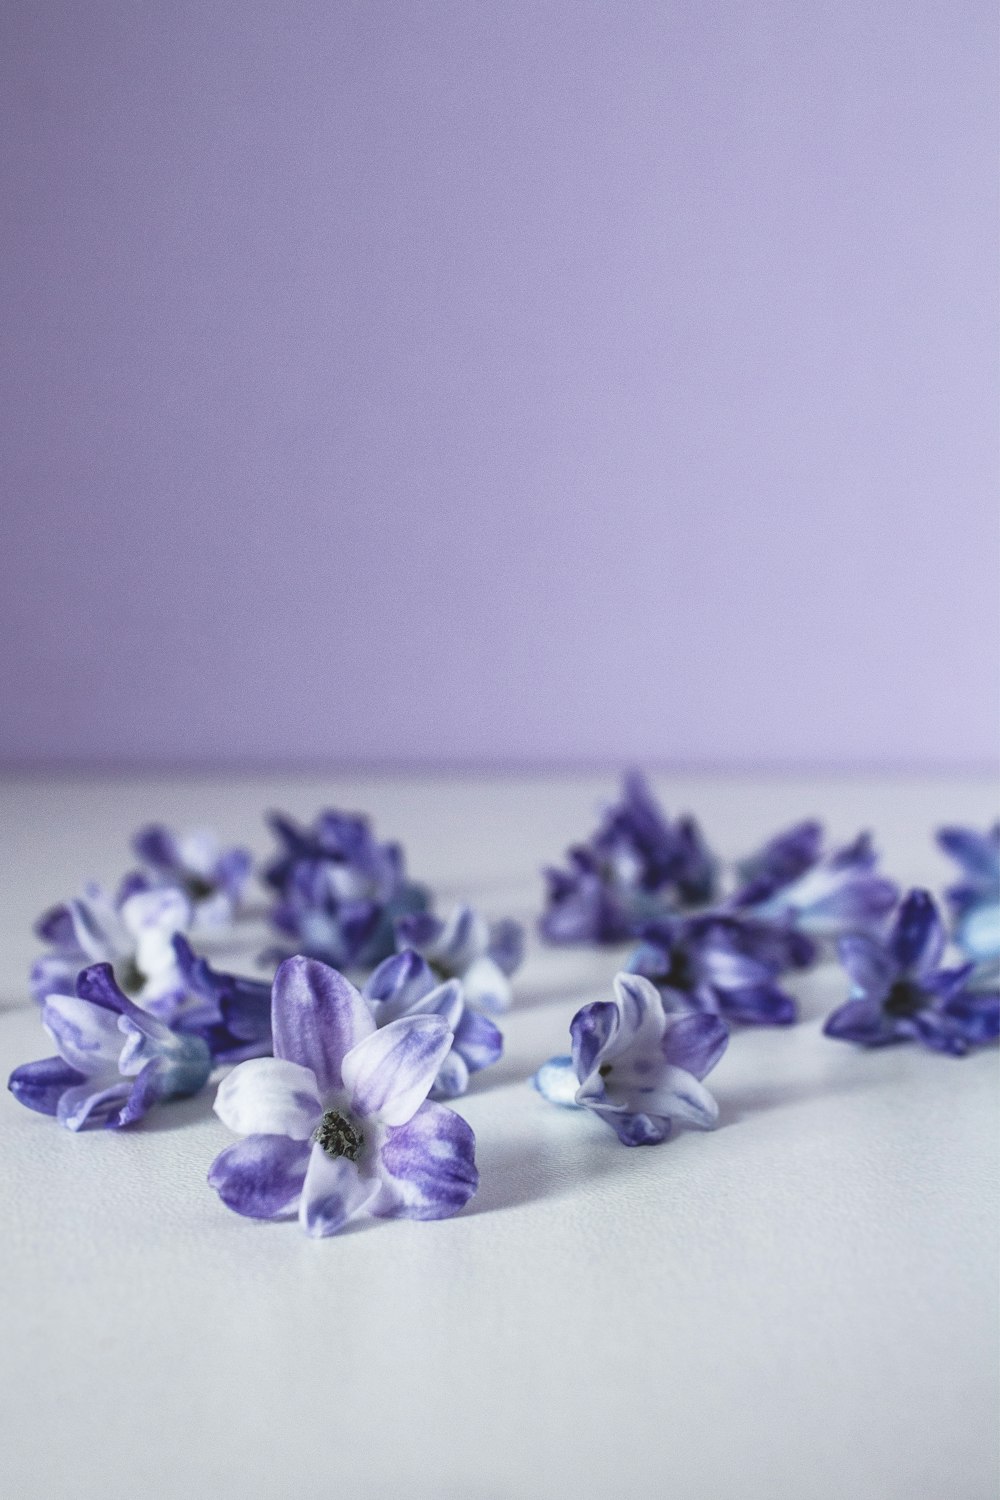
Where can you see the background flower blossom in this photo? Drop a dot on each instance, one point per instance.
(132, 932)
(464, 946)
(213, 878)
(900, 993)
(405, 985)
(337, 1122)
(635, 1067)
(637, 865)
(722, 965)
(115, 1062)
(230, 1012)
(975, 900)
(791, 881)
(338, 890)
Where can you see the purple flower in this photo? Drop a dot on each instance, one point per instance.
(899, 993)
(975, 901)
(212, 878)
(635, 1067)
(722, 965)
(232, 1014)
(115, 1062)
(791, 881)
(464, 946)
(132, 932)
(339, 891)
(635, 867)
(337, 1122)
(405, 985)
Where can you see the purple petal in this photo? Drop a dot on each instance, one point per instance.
(477, 1041)
(96, 984)
(633, 1129)
(157, 846)
(871, 968)
(334, 1193)
(262, 1176)
(150, 1086)
(592, 1030)
(317, 1017)
(428, 1166)
(55, 926)
(507, 945)
(389, 1074)
(864, 1022)
(40, 1085)
(758, 1005)
(940, 1034)
(86, 1036)
(977, 853)
(89, 1104)
(918, 938)
(695, 1043)
(401, 978)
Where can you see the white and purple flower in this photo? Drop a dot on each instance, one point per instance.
(900, 993)
(723, 965)
(133, 932)
(464, 946)
(337, 1123)
(405, 985)
(637, 1068)
(975, 900)
(791, 882)
(213, 878)
(637, 866)
(115, 1062)
(230, 1012)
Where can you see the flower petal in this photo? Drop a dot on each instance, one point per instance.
(40, 1085)
(918, 938)
(398, 984)
(389, 1074)
(262, 1176)
(452, 1078)
(592, 1030)
(270, 1096)
(428, 1166)
(86, 1035)
(635, 1084)
(507, 945)
(557, 1082)
(317, 1017)
(634, 1129)
(870, 966)
(94, 1103)
(695, 1043)
(864, 1022)
(758, 1005)
(477, 1040)
(486, 984)
(334, 1192)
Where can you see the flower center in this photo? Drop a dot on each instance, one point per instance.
(198, 888)
(338, 1135)
(904, 999)
(129, 977)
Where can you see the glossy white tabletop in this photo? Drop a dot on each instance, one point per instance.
(802, 1304)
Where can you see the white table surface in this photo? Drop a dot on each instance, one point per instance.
(802, 1304)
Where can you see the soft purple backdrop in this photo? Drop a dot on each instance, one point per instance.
(509, 382)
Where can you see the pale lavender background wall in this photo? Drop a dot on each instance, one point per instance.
(543, 382)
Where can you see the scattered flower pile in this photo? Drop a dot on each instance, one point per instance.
(375, 1008)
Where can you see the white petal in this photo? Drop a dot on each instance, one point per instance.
(389, 1074)
(487, 986)
(333, 1193)
(270, 1096)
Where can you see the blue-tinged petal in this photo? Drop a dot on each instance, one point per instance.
(979, 931)
(757, 1005)
(975, 1015)
(270, 1096)
(93, 1104)
(871, 968)
(86, 1036)
(419, 930)
(334, 1192)
(40, 1085)
(317, 1017)
(55, 926)
(262, 1176)
(485, 984)
(977, 853)
(641, 1012)
(427, 1166)
(151, 1086)
(96, 984)
(506, 946)
(98, 927)
(695, 1043)
(940, 1034)
(864, 1022)
(389, 1074)
(557, 1082)
(918, 938)
(157, 846)
(638, 1084)
(859, 901)
(398, 982)
(452, 1078)
(477, 1040)
(51, 975)
(635, 1129)
(593, 1029)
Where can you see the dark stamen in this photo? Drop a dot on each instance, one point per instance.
(338, 1135)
